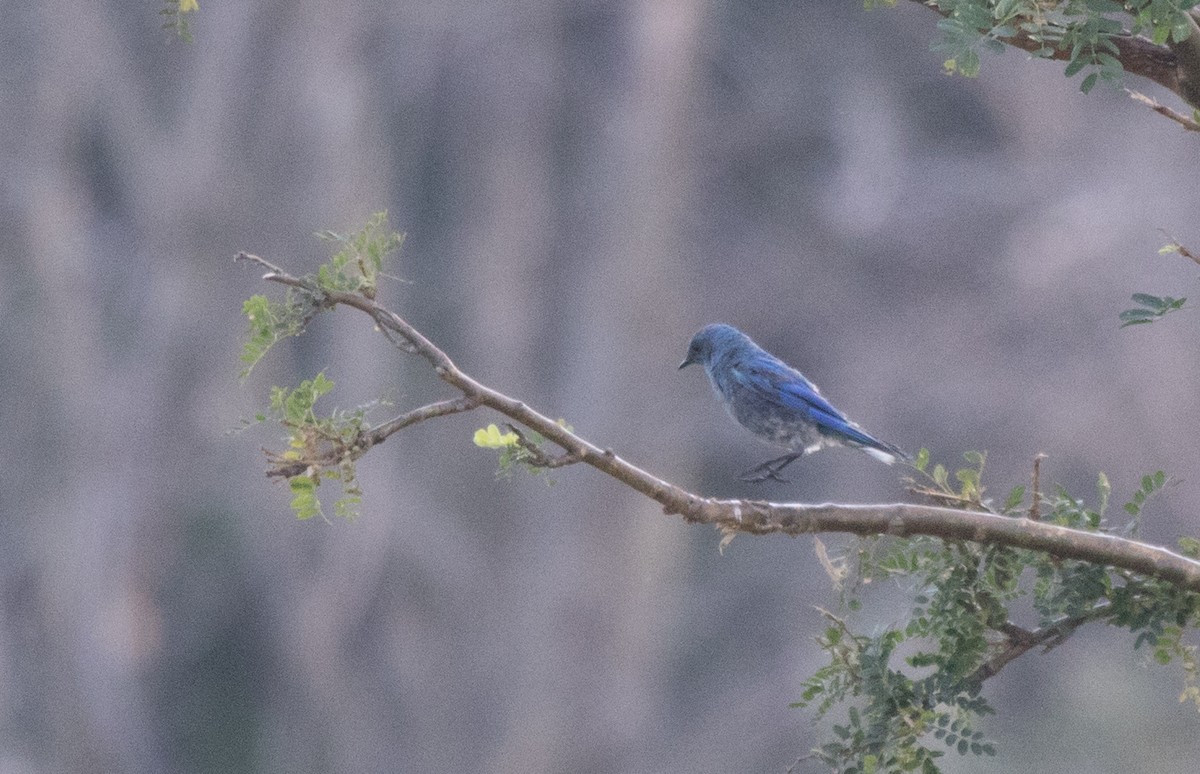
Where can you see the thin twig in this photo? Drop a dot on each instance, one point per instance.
(439, 409)
(1035, 507)
(1179, 247)
(272, 270)
(537, 456)
(1185, 121)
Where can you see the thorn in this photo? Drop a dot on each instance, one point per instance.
(1035, 507)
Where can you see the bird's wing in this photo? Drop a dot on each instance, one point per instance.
(776, 382)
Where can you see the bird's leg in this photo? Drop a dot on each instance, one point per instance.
(770, 470)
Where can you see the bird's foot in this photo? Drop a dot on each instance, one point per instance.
(770, 470)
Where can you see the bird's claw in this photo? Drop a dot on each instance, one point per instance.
(769, 470)
(750, 477)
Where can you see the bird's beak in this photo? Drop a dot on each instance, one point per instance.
(687, 362)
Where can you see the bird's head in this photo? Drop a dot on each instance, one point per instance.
(710, 341)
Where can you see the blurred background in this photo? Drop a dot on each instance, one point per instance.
(583, 184)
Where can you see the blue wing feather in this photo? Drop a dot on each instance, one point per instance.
(776, 382)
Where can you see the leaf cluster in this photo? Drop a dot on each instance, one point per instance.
(319, 447)
(176, 13)
(1081, 31)
(1150, 308)
(358, 260)
(272, 321)
(965, 490)
(961, 629)
(521, 449)
(891, 712)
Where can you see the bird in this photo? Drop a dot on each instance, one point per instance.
(775, 401)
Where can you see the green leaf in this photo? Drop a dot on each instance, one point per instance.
(304, 497)
(1109, 62)
(1104, 6)
(1015, 498)
(940, 476)
(1136, 317)
(1089, 82)
(1006, 8)
(968, 64)
(347, 507)
(1145, 299)
(992, 45)
(1103, 490)
(922, 460)
(1181, 30)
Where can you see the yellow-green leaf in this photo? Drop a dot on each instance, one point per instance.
(491, 438)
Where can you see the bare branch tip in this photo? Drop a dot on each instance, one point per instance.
(1185, 121)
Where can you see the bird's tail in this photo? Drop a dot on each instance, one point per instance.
(887, 455)
(852, 435)
(884, 452)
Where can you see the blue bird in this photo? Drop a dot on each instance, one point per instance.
(775, 402)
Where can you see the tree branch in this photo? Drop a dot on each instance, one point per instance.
(1019, 640)
(440, 409)
(336, 450)
(755, 516)
(1175, 67)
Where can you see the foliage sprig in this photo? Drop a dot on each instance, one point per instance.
(176, 13)
(961, 628)
(319, 447)
(1101, 40)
